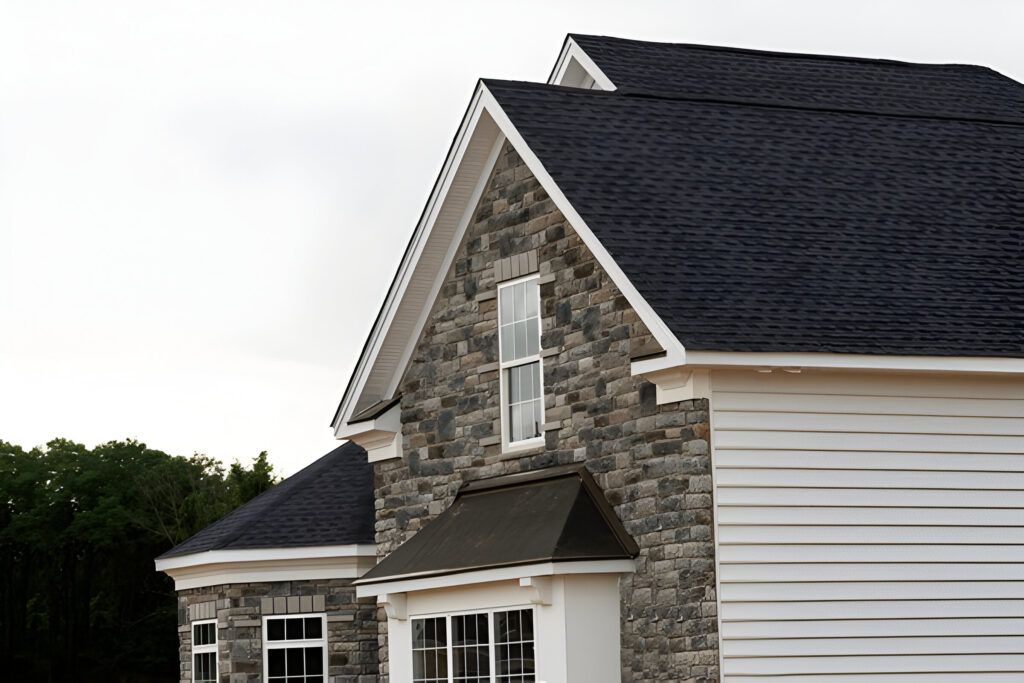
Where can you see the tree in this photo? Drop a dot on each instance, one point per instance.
(79, 529)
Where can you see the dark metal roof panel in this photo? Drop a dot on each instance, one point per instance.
(551, 515)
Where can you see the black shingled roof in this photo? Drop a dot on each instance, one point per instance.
(329, 502)
(819, 80)
(777, 226)
(556, 514)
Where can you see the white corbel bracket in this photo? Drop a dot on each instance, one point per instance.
(395, 605)
(538, 588)
(381, 437)
(679, 384)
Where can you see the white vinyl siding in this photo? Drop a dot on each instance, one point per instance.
(869, 526)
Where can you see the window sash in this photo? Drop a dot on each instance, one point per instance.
(492, 676)
(522, 308)
(295, 644)
(207, 649)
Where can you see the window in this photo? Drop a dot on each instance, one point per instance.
(472, 655)
(204, 651)
(522, 390)
(295, 649)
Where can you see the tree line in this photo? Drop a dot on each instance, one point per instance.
(79, 529)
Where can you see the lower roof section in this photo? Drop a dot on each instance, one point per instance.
(548, 516)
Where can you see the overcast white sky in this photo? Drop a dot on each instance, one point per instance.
(202, 203)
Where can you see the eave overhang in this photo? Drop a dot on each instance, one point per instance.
(218, 567)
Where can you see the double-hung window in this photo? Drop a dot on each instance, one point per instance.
(478, 647)
(295, 648)
(522, 390)
(204, 651)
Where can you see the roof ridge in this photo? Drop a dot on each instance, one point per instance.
(646, 93)
(796, 55)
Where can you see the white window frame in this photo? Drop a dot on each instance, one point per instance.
(490, 635)
(507, 445)
(269, 645)
(205, 649)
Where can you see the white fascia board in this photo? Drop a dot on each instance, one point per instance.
(412, 582)
(675, 353)
(832, 361)
(476, 130)
(265, 554)
(219, 567)
(572, 54)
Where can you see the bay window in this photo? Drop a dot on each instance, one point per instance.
(522, 390)
(477, 647)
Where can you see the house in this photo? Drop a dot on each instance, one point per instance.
(706, 364)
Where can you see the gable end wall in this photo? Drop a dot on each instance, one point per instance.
(651, 461)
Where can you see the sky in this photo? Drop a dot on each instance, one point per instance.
(202, 204)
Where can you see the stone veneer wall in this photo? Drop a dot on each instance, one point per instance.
(239, 608)
(652, 461)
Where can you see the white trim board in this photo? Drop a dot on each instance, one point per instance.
(575, 69)
(220, 567)
(412, 582)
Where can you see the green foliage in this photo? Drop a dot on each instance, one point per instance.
(79, 529)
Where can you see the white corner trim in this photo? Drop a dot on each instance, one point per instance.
(668, 341)
(413, 582)
(218, 567)
(794, 362)
(573, 63)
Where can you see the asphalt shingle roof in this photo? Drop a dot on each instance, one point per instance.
(329, 502)
(788, 228)
(819, 80)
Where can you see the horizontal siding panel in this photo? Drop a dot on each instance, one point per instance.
(853, 497)
(869, 479)
(872, 628)
(826, 441)
(871, 535)
(881, 664)
(726, 401)
(866, 384)
(861, 460)
(801, 553)
(868, 424)
(871, 609)
(879, 571)
(840, 516)
(869, 527)
(831, 647)
(872, 590)
(979, 677)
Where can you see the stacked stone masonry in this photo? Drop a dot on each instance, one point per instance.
(652, 461)
(239, 610)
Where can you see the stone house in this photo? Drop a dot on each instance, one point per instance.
(706, 364)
